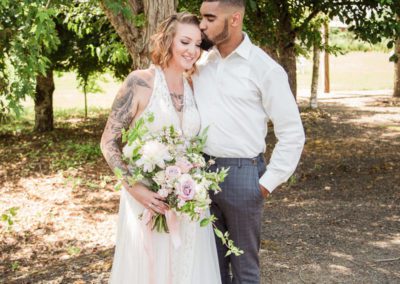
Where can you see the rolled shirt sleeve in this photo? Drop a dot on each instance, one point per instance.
(281, 108)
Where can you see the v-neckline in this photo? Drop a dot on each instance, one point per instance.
(170, 99)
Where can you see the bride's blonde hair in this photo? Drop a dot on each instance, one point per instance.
(161, 41)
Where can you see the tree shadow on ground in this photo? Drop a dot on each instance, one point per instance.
(338, 220)
(60, 261)
(87, 268)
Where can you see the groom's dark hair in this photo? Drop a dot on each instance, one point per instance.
(236, 3)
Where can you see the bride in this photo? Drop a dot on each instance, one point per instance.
(163, 90)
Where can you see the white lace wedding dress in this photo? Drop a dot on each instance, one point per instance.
(196, 260)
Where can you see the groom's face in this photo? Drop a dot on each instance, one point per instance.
(215, 22)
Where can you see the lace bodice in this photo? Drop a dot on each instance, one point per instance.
(161, 106)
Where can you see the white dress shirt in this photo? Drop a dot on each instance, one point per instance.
(236, 97)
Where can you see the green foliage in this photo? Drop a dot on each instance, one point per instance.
(60, 35)
(292, 180)
(224, 237)
(14, 265)
(305, 20)
(75, 154)
(346, 41)
(99, 47)
(138, 130)
(208, 220)
(282, 24)
(122, 7)
(73, 250)
(27, 33)
(8, 216)
(192, 6)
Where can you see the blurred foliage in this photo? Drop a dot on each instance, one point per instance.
(372, 22)
(61, 35)
(27, 33)
(9, 216)
(346, 41)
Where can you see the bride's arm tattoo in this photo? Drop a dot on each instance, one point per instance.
(122, 113)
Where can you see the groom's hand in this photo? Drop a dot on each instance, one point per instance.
(264, 191)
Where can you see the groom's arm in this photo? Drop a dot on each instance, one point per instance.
(281, 107)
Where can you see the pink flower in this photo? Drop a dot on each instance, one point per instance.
(186, 187)
(184, 165)
(172, 172)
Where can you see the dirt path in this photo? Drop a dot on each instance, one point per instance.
(340, 219)
(336, 221)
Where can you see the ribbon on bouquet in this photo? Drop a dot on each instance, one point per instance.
(173, 226)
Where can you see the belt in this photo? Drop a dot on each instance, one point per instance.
(235, 161)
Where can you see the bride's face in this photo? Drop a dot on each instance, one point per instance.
(186, 46)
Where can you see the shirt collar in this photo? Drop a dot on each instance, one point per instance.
(242, 50)
(244, 47)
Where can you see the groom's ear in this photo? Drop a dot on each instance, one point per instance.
(236, 19)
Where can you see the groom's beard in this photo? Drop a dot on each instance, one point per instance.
(223, 36)
(206, 43)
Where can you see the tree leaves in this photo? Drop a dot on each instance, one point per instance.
(31, 34)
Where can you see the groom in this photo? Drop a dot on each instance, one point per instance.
(238, 89)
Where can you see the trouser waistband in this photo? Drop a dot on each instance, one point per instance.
(235, 161)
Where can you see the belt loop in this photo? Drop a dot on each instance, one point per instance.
(240, 162)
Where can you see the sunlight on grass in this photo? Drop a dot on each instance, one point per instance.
(67, 95)
(353, 71)
(62, 116)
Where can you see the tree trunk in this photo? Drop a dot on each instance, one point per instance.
(327, 79)
(271, 52)
(315, 76)
(287, 59)
(136, 38)
(396, 89)
(44, 102)
(286, 44)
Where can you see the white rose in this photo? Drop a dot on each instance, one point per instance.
(153, 154)
(159, 177)
(201, 193)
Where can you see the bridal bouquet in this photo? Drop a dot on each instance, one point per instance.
(173, 166)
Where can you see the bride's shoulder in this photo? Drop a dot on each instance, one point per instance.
(142, 78)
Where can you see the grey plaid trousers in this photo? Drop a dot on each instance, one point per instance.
(239, 209)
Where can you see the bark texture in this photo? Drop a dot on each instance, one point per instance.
(396, 89)
(44, 102)
(136, 38)
(315, 77)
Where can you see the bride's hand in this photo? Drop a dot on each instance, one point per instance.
(148, 199)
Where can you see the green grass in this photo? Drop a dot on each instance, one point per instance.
(62, 117)
(73, 155)
(346, 41)
(353, 71)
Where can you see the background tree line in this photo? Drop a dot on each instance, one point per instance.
(38, 37)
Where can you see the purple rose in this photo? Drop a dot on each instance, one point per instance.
(172, 172)
(186, 187)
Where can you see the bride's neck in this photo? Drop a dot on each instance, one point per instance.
(174, 76)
